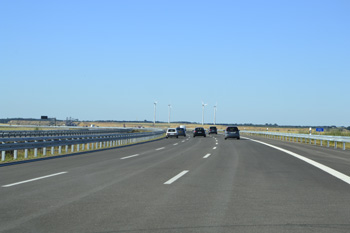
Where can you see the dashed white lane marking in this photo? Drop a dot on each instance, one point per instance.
(214, 148)
(176, 144)
(130, 156)
(176, 177)
(160, 148)
(324, 168)
(206, 156)
(39, 178)
(217, 143)
(183, 141)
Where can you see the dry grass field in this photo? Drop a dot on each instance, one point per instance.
(296, 130)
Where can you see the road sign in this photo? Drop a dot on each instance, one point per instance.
(319, 130)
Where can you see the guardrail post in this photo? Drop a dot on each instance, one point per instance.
(3, 154)
(26, 152)
(36, 151)
(78, 147)
(100, 144)
(60, 148)
(83, 146)
(315, 142)
(52, 149)
(72, 148)
(335, 144)
(15, 153)
(310, 141)
(321, 143)
(343, 145)
(67, 147)
(328, 143)
(44, 149)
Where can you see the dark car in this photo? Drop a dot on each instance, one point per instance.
(199, 131)
(181, 131)
(213, 129)
(232, 132)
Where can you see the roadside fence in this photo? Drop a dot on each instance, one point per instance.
(69, 144)
(304, 138)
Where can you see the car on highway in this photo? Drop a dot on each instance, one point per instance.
(232, 132)
(181, 131)
(213, 130)
(199, 131)
(171, 132)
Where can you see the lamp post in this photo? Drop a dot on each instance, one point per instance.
(155, 109)
(169, 112)
(203, 105)
(215, 114)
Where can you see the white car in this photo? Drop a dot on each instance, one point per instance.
(172, 132)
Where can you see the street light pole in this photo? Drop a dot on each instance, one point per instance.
(215, 115)
(155, 109)
(203, 105)
(169, 105)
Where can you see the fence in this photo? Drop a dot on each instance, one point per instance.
(71, 143)
(303, 138)
(46, 133)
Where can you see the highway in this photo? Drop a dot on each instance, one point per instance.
(182, 185)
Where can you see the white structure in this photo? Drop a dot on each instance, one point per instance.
(169, 112)
(155, 109)
(203, 105)
(215, 113)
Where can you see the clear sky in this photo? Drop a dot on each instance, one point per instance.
(270, 61)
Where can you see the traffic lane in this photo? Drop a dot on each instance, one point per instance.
(14, 173)
(91, 164)
(334, 158)
(249, 187)
(71, 195)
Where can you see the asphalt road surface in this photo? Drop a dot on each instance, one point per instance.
(182, 185)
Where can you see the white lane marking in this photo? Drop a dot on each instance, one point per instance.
(176, 177)
(160, 148)
(217, 143)
(183, 141)
(324, 168)
(176, 144)
(206, 156)
(39, 178)
(214, 148)
(130, 156)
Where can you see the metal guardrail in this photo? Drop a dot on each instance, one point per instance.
(90, 141)
(303, 137)
(46, 133)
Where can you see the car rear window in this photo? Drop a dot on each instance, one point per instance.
(213, 127)
(231, 129)
(171, 130)
(199, 129)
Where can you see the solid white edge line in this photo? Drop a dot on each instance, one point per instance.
(130, 156)
(160, 148)
(324, 168)
(176, 177)
(206, 156)
(39, 178)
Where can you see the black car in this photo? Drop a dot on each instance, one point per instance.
(181, 131)
(199, 131)
(213, 130)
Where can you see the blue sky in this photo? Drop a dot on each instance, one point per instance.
(284, 62)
